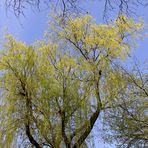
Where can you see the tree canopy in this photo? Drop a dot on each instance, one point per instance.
(54, 90)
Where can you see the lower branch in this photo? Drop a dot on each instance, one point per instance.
(93, 117)
(88, 129)
(30, 137)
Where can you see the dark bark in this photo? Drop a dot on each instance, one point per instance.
(92, 119)
(28, 117)
(88, 128)
(30, 137)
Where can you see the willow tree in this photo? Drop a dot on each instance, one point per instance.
(53, 92)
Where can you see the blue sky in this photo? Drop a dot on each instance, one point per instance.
(32, 27)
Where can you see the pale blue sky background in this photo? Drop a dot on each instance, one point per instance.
(33, 26)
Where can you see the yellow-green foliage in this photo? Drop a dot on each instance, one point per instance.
(56, 80)
(107, 39)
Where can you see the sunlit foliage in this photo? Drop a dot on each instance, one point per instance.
(53, 91)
